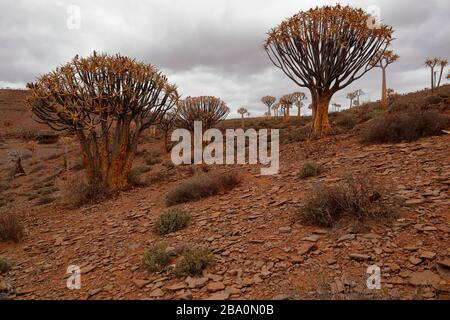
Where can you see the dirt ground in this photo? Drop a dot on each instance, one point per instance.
(261, 249)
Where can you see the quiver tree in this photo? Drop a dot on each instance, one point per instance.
(443, 63)
(106, 102)
(382, 60)
(275, 108)
(300, 97)
(242, 111)
(351, 96)
(336, 107)
(286, 102)
(358, 93)
(325, 50)
(436, 76)
(268, 102)
(209, 110)
(167, 123)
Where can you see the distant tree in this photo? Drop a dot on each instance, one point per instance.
(300, 97)
(358, 93)
(448, 75)
(106, 102)
(443, 63)
(325, 50)
(382, 60)
(351, 96)
(336, 107)
(268, 101)
(276, 108)
(432, 63)
(287, 102)
(392, 95)
(207, 109)
(242, 111)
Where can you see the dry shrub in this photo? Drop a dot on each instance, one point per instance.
(10, 228)
(172, 220)
(152, 157)
(357, 197)
(78, 193)
(310, 169)
(5, 264)
(347, 120)
(135, 176)
(405, 127)
(157, 257)
(193, 262)
(202, 186)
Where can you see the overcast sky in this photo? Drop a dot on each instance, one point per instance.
(205, 47)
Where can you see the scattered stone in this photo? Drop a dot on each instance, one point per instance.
(94, 292)
(246, 282)
(157, 293)
(196, 282)
(427, 255)
(285, 229)
(281, 297)
(415, 261)
(444, 263)
(346, 237)
(337, 287)
(359, 257)
(331, 261)
(215, 286)
(307, 248)
(176, 286)
(141, 283)
(312, 238)
(223, 295)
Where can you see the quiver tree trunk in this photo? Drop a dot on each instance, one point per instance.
(286, 114)
(384, 99)
(108, 160)
(321, 124)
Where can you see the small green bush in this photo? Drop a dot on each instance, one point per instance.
(310, 169)
(157, 258)
(193, 262)
(172, 220)
(5, 264)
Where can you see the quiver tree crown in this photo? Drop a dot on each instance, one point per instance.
(207, 109)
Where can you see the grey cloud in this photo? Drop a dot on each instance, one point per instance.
(206, 47)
